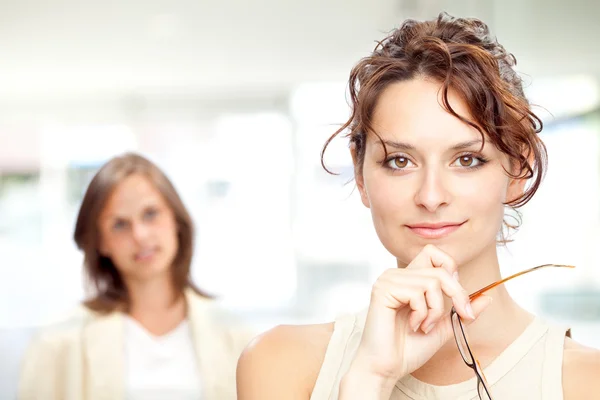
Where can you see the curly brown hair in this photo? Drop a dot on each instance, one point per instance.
(462, 55)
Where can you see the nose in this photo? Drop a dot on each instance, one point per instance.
(432, 192)
(140, 231)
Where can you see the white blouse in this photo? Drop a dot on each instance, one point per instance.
(160, 367)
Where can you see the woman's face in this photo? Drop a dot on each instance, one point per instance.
(138, 230)
(435, 186)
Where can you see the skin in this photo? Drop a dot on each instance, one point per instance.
(138, 231)
(429, 176)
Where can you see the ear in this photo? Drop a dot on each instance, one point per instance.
(516, 187)
(358, 176)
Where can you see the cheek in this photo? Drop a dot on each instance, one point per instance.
(111, 244)
(484, 203)
(119, 249)
(167, 228)
(487, 193)
(391, 204)
(386, 196)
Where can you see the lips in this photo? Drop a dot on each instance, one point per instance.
(435, 230)
(145, 254)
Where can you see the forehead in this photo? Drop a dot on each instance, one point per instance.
(412, 111)
(133, 192)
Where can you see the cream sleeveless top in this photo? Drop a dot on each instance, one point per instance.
(530, 368)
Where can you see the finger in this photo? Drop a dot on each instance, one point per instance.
(418, 305)
(449, 286)
(444, 327)
(396, 296)
(459, 296)
(479, 305)
(431, 256)
(413, 297)
(435, 302)
(431, 286)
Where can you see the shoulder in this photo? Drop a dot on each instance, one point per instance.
(207, 307)
(283, 362)
(65, 327)
(232, 328)
(208, 310)
(581, 369)
(47, 349)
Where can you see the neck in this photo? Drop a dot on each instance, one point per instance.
(503, 311)
(156, 305)
(481, 271)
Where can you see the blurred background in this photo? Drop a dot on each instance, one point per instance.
(234, 100)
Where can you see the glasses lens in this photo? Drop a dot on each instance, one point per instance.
(461, 340)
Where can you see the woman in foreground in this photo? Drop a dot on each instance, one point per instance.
(442, 139)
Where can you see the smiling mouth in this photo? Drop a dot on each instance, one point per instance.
(145, 254)
(435, 231)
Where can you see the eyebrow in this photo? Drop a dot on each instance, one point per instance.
(467, 144)
(398, 145)
(113, 218)
(407, 146)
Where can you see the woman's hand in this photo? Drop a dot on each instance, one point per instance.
(407, 322)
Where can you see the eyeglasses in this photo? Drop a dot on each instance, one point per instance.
(461, 337)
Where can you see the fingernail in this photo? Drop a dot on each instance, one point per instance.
(469, 310)
(429, 327)
(455, 275)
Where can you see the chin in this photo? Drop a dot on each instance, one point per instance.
(153, 274)
(405, 254)
(157, 266)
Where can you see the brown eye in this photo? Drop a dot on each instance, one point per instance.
(119, 225)
(466, 161)
(401, 162)
(150, 214)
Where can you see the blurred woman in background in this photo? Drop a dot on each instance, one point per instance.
(147, 332)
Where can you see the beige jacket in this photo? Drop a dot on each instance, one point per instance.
(81, 358)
